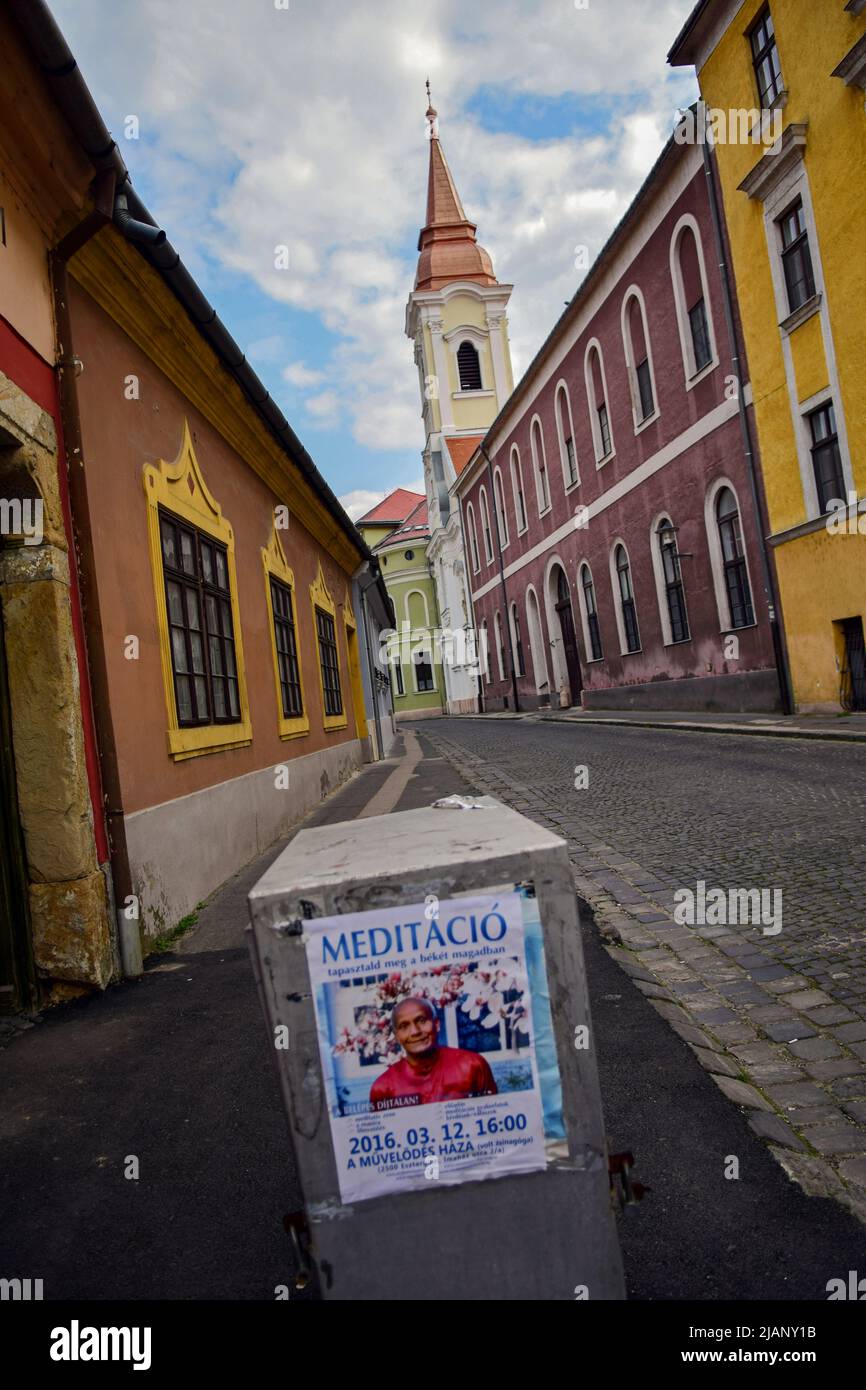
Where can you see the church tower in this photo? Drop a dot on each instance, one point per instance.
(456, 319)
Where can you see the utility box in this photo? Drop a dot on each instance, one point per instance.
(423, 982)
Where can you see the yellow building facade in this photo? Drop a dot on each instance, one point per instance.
(793, 185)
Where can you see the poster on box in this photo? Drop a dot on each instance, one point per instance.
(436, 1041)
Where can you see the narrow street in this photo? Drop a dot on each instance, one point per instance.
(176, 1069)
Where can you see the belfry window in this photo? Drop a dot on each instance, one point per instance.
(469, 367)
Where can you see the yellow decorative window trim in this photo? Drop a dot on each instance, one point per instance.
(180, 488)
(276, 565)
(320, 598)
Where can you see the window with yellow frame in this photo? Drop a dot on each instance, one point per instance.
(334, 714)
(293, 717)
(192, 553)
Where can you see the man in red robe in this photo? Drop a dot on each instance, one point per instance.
(428, 1073)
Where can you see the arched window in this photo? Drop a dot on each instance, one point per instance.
(694, 312)
(539, 464)
(499, 507)
(517, 489)
(592, 635)
(638, 356)
(596, 392)
(517, 641)
(469, 367)
(484, 654)
(485, 525)
(736, 574)
(629, 635)
(473, 538)
(565, 431)
(500, 649)
(672, 598)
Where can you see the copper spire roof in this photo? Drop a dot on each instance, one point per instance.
(449, 250)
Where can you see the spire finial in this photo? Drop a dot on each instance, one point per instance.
(432, 114)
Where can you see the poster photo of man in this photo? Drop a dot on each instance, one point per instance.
(428, 1071)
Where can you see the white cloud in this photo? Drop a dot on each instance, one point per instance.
(298, 374)
(304, 127)
(360, 501)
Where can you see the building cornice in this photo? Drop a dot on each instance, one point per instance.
(776, 163)
(852, 68)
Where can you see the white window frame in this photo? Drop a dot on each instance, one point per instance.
(499, 508)
(518, 492)
(635, 293)
(617, 599)
(589, 659)
(474, 552)
(486, 531)
(692, 375)
(516, 648)
(500, 645)
(542, 508)
(414, 664)
(562, 390)
(538, 656)
(793, 183)
(600, 459)
(661, 586)
(717, 559)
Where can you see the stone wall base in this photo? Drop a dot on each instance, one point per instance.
(182, 850)
(70, 922)
(741, 693)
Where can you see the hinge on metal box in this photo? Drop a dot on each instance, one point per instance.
(628, 1192)
(295, 1225)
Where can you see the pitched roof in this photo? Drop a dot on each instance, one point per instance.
(449, 250)
(461, 448)
(392, 509)
(416, 527)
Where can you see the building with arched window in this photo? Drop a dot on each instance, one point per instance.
(633, 575)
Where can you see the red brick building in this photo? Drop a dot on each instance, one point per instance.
(611, 529)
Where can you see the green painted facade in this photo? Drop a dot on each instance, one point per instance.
(413, 594)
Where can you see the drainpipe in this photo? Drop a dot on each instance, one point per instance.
(502, 576)
(782, 671)
(362, 590)
(105, 784)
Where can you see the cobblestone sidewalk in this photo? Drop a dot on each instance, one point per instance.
(774, 1041)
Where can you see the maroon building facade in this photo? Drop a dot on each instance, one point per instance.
(611, 533)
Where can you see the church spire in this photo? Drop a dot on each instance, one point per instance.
(448, 246)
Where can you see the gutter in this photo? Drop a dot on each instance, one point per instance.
(53, 56)
(782, 670)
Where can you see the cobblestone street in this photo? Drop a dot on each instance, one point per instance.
(779, 1021)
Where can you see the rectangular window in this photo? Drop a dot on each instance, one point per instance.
(826, 457)
(287, 650)
(765, 59)
(700, 335)
(201, 633)
(398, 678)
(329, 663)
(424, 672)
(645, 389)
(796, 257)
(604, 430)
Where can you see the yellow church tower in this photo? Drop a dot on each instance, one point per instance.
(456, 317)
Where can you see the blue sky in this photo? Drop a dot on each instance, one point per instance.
(304, 127)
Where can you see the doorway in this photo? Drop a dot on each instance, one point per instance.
(17, 975)
(852, 691)
(569, 639)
